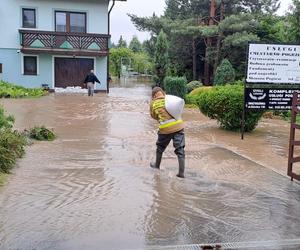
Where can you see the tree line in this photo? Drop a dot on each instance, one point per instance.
(193, 37)
(133, 57)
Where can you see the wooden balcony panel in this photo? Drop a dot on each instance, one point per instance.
(33, 41)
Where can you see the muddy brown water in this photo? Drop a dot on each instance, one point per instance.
(92, 188)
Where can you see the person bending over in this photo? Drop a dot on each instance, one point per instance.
(169, 129)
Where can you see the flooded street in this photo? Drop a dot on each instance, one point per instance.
(92, 188)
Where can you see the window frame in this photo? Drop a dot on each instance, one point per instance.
(68, 20)
(35, 22)
(37, 65)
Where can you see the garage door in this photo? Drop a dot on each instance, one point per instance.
(71, 71)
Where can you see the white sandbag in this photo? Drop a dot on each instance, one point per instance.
(174, 105)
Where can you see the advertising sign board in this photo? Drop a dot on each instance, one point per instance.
(268, 99)
(273, 63)
(276, 68)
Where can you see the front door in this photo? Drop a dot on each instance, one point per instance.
(71, 72)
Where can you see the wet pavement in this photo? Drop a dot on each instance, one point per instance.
(92, 188)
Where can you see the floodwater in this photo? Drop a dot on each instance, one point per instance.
(92, 188)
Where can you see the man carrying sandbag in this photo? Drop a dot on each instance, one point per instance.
(169, 129)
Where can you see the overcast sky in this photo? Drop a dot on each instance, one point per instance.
(121, 24)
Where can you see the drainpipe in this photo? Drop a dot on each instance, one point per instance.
(108, 30)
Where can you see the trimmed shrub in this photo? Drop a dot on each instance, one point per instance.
(225, 73)
(198, 91)
(193, 85)
(225, 104)
(9, 90)
(175, 86)
(42, 134)
(238, 82)
(192, 97)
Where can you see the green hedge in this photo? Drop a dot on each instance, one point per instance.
(9, 90)
(175, 86)
(225, 104)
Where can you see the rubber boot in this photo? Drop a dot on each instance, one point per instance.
(157, 162)
(181, 162)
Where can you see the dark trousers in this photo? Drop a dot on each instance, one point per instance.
(178, 143)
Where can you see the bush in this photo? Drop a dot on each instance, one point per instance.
(225, 73)
(192, 97)
(9, 90)
(193, 85)
(2, 178)
(41, 134)
(238, 82)
(175, 86)
(12, 146)
(6, 122)
(198, 91)
(12, 143)
(225, 104)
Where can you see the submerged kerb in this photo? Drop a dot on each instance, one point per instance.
(276, 244)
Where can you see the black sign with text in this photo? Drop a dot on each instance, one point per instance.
(272, 99)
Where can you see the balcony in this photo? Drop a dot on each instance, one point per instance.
(60, 43)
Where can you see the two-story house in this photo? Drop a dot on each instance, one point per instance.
(54, 42)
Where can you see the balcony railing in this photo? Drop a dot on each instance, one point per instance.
(34, 41)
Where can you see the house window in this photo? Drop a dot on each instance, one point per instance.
(70, 22)
(61, 21)
(1, 70)
(29, 18)
(30, 65)
(77, 22)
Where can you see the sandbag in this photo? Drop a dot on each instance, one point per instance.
(174, 105)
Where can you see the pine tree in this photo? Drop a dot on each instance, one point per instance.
(122, 43)
(135, 45)
(294, 20)
(161, 57)
(182, 9)
(225, 73)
